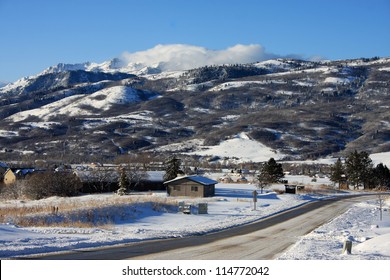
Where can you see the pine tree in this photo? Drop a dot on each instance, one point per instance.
(172, 168)
(382, 175)
(271, 172)
(123, 183)
(337, 172)
(358, 167)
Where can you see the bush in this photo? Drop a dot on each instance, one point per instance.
(46, 184)
(12, 191)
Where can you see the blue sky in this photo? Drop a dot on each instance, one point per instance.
(36, 34)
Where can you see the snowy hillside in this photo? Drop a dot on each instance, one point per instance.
(87, 105)
(240, 147)
(290, 109)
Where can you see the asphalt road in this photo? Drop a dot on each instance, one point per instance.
(265, 239)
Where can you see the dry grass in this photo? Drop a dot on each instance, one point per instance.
(99, 212)
(279, 191)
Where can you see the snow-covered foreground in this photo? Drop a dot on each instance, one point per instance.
(361, 224)
(231, 206)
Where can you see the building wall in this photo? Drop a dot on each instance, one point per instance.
(209, 191)
(189, 188)
(9, 177)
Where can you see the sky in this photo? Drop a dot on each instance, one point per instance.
(36, 34)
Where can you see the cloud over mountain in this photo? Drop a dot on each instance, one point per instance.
(183, 57)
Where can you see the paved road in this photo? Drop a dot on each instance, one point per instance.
(265, 239)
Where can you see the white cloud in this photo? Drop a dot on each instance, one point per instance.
(184, 57)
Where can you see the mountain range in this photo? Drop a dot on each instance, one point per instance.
(297, 109)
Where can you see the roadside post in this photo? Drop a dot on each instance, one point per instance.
(254, 199)
(347, 248)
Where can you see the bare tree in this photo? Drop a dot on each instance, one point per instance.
(51, 183)
(135, 174)
(101, 178)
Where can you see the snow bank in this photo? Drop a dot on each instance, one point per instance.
(360, 224)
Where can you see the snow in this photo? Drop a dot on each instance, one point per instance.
(230, 85)
(81, 104)
(42, 125)
(286, 92)
(23, 82)
(360, 224)
(62, 67)
(8, 133)
(241, 147)
(232, 206)
(273, 64)
(235, 84)
(198, 179)
(381, 158)
(154, 215)
(188, 145)
(165, 75)
(335, 80)
(193, 87)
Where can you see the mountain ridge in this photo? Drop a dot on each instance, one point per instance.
(302, 109)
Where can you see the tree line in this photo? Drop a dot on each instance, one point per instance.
(124, 179)
(359, 171)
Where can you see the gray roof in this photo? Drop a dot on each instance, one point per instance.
(198, 179)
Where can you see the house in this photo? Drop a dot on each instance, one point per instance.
(9, 177)
(23, 173)
(194, 186)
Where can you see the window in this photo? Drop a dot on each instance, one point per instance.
(176, 188)
(194, 188)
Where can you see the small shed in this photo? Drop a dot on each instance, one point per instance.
(293, 188)
(194, 186)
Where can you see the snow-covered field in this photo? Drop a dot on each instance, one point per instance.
(231, 206)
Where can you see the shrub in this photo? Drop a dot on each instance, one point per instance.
(46, 184)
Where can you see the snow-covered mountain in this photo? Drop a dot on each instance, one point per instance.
(112, 66)
(168, 58)
(291, 108)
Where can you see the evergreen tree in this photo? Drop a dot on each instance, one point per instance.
(270, 172)
(337, 172)
(382, 175)
(172, 168)
(123, 183)
(358, 167)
